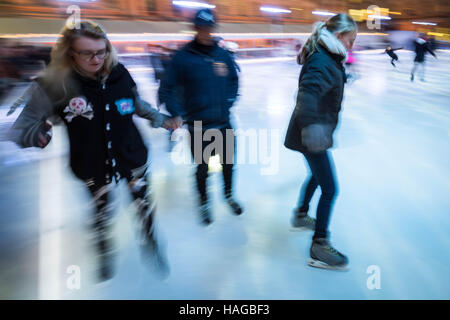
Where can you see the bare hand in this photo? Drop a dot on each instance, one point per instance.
(178, 122)
(173, 123)
(168, 124)
(44, 134)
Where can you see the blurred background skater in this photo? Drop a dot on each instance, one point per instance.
(10, 73)
(19, 63)
(208, 80)
(160, 59)
(432, 43)
(390, 52)
(310, 131)
(96, 97)
(421, 47)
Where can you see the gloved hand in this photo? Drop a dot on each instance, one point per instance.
(317, 137)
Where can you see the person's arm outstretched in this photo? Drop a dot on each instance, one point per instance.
(32, 128)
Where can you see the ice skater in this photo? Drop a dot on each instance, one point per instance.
(315, 117)
(96, 97)
(160, 61)
(207, 77)
(421, 47)
(390, 52)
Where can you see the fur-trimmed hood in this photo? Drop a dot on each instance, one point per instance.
(332, 44)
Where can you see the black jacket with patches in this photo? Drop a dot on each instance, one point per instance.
(320, 93)
(104, 141)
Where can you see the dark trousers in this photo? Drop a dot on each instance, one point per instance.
(204, 144)
(420, 65)
(394, 58)
(322, 174)
(141, 192)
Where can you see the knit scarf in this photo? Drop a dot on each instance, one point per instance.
(329, 41)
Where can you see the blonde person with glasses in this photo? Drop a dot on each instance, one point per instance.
(95, 96)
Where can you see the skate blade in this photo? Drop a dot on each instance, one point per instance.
(319, 264)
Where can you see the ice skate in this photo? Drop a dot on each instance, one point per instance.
(153, 255)
(301, 221)
(205, 213)
(106, 256)
(235, 207)
(323, 255)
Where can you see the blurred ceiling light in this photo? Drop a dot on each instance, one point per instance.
(357, 15)
(193, 4)
(274, 10)
(392, 12)
(425, 23)
(356, 12)
(323, 13)
(297, 9)
(437, 34)
(374, 16)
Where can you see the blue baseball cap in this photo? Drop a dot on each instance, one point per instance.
(204, 18)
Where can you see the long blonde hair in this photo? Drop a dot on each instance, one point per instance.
(62, 62)
(340, 23)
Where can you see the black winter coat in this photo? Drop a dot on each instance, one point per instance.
(320, 93)
(421, 48)
(104, 141)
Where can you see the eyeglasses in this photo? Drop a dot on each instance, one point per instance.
(89, 55)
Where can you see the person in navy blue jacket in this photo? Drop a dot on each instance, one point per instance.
(95, 96)
(202, 85)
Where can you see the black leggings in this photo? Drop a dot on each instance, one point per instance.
(394, 57)
(141, 191)
(322, 174)
(202, 148)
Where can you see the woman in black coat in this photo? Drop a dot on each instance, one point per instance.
(320, 93)
(95, 96)
(421, 47)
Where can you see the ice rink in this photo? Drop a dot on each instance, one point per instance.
(391, 216)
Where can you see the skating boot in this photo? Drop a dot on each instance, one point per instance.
(323, 255)
(153, 255)
(301, 221)
(205, 212)
(235, 207)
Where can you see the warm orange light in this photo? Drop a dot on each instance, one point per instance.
(134, 49)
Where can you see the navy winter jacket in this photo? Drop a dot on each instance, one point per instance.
(201, 85)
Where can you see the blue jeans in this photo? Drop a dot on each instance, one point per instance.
(322, 174)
